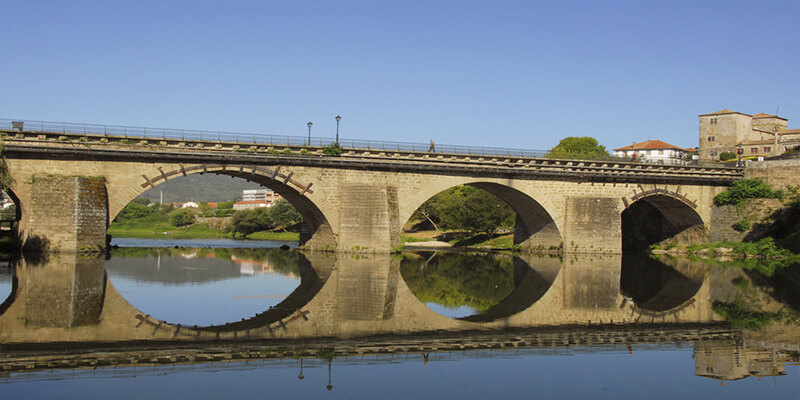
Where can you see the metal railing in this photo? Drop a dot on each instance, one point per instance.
(253, 138)
(134, 132)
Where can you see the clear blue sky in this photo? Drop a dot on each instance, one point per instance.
(487, 73)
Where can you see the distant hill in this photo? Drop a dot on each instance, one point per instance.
(200, 188)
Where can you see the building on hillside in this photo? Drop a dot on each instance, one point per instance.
(656, 151)
(756, 135)
(260, 195)
(248, 205)
(188, 204)
(256, 198)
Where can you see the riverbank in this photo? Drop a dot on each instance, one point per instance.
(460, 240)
(197, 231)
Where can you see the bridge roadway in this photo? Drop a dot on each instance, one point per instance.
(358, 201)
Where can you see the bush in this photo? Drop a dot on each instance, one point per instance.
(181, 217)
(742, 225)
(727, 155)
(333, 149)
(747, 189)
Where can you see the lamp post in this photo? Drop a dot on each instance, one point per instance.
(338, 118)
(739, 151)
(330, 386)
(309, 133)
(301, 376)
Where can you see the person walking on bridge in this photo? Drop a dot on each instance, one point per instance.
(432, 148)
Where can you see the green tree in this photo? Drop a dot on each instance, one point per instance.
(226, 205)
(138, 208)
(182, 217)
(468, 209)
(579, 147)
(283, 214)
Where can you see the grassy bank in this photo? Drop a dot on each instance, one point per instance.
(196, 231)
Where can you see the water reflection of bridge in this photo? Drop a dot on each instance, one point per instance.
(719, 352)
(68, 298)
(64, 313)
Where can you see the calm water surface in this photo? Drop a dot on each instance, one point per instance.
(486, 325)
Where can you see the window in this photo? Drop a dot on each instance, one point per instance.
(713, 121)
(767, 149)
(753, 150)
(661, 152)
(712, 139)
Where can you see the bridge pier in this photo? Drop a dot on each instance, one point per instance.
(592, 225)
(66, 214)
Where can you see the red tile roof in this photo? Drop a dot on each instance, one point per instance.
(725, 111)
(650, 145)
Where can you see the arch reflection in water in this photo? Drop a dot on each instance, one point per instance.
(659, 285)
(477, 287)
(6, 278)
(204, 286)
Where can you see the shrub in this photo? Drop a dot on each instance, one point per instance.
(333, 149)
(727, 155)
(747, 189)
(742, 225)
(181, 217)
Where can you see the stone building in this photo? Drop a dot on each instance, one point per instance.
(757, 135)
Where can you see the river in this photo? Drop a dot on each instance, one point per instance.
(206, 319)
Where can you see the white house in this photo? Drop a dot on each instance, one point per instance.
(655, 151)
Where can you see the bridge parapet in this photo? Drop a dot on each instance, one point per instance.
(66, 144)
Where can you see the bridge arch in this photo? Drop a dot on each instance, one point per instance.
(534, 227)
(315, 230)
(659, 215)
(659, 287)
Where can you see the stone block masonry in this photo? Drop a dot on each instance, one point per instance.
(67, 214)
(593, 226)
(776, 173)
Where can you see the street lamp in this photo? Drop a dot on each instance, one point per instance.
(301, 376)
(309, 132)
(338, 118)
(329, 387)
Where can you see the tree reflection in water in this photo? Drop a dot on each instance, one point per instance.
(463, 284)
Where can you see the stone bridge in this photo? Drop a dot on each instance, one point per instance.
(69, 187)
(66, 297)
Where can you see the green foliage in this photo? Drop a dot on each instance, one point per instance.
(742, 318)
(225, 205)
(742, 283)
(455, 280)
(466, 208)
(281, 215)
(134, 210)
(579, 147)
(742, 225)
(333, 149)
(326, 354)
(727, 155)
(269, 235)
(6, 180)
(747, 189)
(182, 217)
